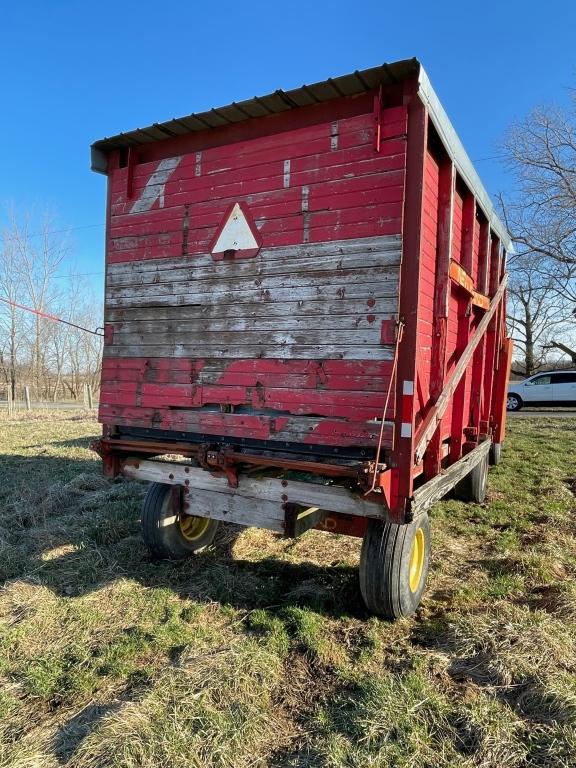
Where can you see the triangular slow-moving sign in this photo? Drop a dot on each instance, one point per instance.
(237, 236)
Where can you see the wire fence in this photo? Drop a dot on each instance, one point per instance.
(23, 401)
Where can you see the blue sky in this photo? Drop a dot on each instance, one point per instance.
(73, 72)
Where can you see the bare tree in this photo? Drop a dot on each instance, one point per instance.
(11, 327)
(39, 256)
(536, 312)
(540, 153)
(36, 349)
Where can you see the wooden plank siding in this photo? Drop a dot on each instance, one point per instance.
(372, 254)
(349, 195)
(288, 345)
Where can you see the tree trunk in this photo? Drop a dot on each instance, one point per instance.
(529, 354)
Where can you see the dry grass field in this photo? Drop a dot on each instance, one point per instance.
(258, 652)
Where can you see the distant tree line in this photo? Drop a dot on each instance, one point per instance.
(54, 360)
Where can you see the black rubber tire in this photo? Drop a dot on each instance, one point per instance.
(472, 488)
(495, 455)
(514, 403)
(385, 567)
(161, 528)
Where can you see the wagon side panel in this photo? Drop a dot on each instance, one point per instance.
(460, 352)
(293, 345)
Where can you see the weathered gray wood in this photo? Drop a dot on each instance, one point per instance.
(287, 322)
(442, 483)
(207, 270)
(225, 282)
(236, 509)
(255, 335)
(257, 294)
(332, 498)
(27, 398)
(291, 253)
(384, 307)
(304, 520)
(236, 352)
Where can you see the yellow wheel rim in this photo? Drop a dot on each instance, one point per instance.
(417, 560)
(192, 527)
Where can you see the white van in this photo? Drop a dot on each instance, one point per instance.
(550, 388)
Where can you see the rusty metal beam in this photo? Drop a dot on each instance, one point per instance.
(119, 447)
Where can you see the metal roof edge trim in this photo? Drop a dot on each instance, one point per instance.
(272, 103)
(460, 157)
(391, 72)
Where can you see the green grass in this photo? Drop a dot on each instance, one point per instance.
(258, 651)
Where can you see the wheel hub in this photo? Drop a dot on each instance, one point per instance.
(192, 527)
(416, 560)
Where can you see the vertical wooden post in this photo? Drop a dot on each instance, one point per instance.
(89, 394)
(479, 362)
(446, 182)
(492, 336)
(483, 257)
(464, 310)
(402, 455)
(502, 362)
(27, 398)
(10, 402)
(500, 389)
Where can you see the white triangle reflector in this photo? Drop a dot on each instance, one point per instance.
(237, 236)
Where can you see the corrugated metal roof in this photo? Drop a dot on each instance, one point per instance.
(260, 106)
(353, 84)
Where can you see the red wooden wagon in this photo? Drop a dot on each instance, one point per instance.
(308, 282)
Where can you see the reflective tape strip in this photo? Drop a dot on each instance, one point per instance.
(407, 415)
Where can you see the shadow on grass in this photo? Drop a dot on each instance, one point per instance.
(82, 532)
(72, 733)
(22, 475)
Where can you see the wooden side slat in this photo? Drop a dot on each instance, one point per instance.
(238, 352)
(383, 307)
(332, 248)
(332, 498)
(311, 430)
(205, 268)
(446, 184)
(359, 322)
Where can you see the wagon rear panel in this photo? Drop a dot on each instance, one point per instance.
(291, 345)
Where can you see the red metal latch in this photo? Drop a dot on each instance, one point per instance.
(216, 460)
(378, 120)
